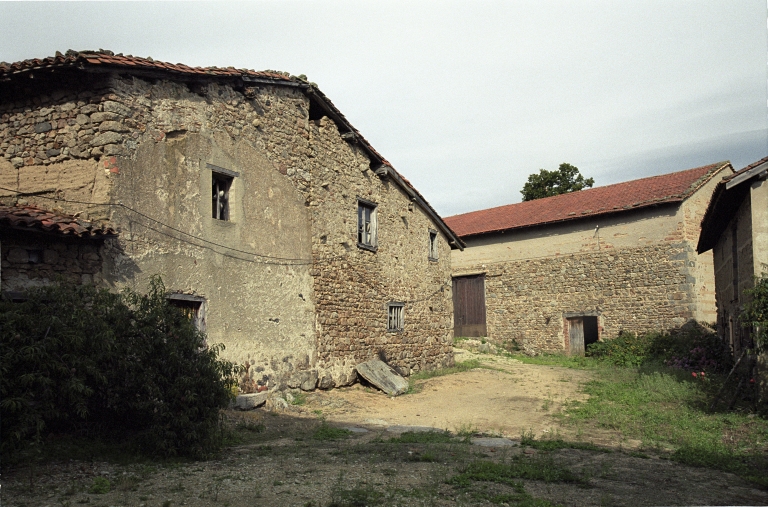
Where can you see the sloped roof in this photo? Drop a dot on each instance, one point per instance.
(725, 202)
(105, 60)
(32, 218)
(630, 195)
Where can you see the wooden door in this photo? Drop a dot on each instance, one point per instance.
(469, 306)
(576, 335)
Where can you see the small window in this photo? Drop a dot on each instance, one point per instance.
(193, 307)
(395, 317)
(221, 184)
(366, 225)
(433, 245)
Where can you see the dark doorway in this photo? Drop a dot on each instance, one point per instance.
(582, 331)
(469, 306)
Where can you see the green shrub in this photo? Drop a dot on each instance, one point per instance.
(756, 311)
(692, 348)
(75, 359)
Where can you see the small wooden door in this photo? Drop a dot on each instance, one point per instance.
(576, 335)
(469, 306)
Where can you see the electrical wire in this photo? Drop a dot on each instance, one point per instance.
(272, 260)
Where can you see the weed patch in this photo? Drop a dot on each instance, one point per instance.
(423, 437)
(100, 486)
(554, 444)
(328, 432)
(538, 468)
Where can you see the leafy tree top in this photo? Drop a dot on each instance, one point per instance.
(548, 183)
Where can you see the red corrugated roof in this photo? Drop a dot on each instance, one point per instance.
(629, 195)
(36, 219)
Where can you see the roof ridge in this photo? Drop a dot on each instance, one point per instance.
(633, 194)
(588, 190)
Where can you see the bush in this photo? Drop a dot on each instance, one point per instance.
(693, 348)
(75, 359)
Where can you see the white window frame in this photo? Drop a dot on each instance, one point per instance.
(395, 317)
(367, 225)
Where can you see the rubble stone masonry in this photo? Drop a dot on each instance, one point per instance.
(314, 304)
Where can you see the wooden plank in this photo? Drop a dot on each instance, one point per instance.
(469, 306)
(576, 335)
(380, 374)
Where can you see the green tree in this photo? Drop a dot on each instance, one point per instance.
(548, 183)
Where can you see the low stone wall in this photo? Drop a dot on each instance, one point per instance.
(32, 260)
(634, 289)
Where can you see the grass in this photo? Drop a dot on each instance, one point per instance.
(423, 437)
(327, 432)
(541, 468)
(668, 410)
(554, 444)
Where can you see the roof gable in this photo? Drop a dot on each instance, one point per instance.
(617, 198)
(103, 60)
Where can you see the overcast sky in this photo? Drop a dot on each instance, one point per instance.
(467, 98)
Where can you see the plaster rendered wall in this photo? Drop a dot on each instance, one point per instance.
(310, 303)
(640, 278)
(759, 198)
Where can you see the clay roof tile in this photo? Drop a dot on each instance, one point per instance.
(34, 218)
(667, 188)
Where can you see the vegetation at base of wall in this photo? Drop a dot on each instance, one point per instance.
(693, 349)
(81, 361)
(755, 312)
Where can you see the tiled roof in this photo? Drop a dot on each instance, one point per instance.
(745, 169)
(106, 59)
(667, 188)
(725, 202)
(32, 218)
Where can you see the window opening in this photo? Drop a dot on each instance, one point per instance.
(221, 184)
(433, 245)
(395, 320)
(366, 225)
(191, 306)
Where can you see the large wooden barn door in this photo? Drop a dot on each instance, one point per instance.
(469, 306)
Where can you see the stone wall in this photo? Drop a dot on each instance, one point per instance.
(733, 278)
(310, 300)
(34, 259)
(634, 289)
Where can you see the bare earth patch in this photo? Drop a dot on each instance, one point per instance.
(290, 458)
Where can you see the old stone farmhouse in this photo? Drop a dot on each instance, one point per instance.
(735, 232)
(558, 273)
(269, 217)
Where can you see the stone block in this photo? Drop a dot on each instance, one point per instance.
(250, 401)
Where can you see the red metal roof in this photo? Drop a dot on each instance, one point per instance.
(667, 188)
(33, 218)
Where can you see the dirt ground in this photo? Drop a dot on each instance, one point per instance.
(288, 458)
